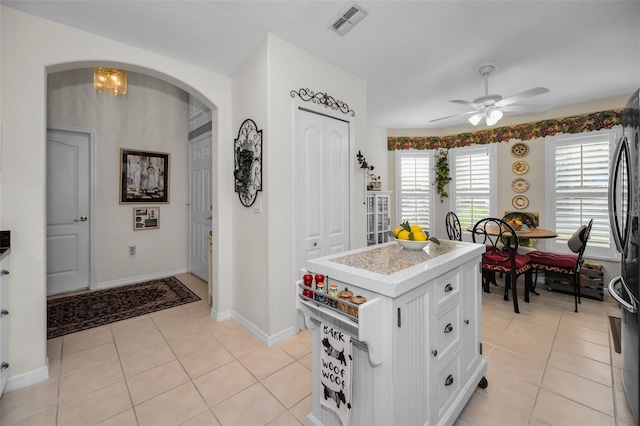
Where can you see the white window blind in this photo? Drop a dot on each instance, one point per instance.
(472, 184)
(578, 189)
(414, 190)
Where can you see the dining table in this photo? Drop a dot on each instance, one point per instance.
(533, 233)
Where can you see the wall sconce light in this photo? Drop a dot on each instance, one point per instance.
(110, 81)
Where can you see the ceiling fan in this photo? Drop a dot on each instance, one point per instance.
(491, 107)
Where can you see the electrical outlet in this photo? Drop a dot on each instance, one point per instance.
(132, 250)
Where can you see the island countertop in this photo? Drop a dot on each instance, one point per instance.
(391, 270)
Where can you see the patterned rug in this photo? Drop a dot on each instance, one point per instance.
(67, 315)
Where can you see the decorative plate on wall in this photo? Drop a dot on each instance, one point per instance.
(519, 185)
(520, 167)
(519, 149)
(520, 202)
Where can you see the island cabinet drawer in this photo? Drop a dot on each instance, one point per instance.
(448, 383)
(446, 331)
(447, 287)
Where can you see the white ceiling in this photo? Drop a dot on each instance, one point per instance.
(415, 55)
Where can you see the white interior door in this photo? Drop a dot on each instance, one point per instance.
(199, 203)
(322, 151)
(68, 211)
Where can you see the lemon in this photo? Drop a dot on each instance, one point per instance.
(416, 228)
(403, 235)
(419, 236)
(397, 231)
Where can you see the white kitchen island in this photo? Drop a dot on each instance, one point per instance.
(416, 343)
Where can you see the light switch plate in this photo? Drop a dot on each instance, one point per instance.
(257, 206)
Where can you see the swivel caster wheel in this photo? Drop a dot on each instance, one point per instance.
(483, 383)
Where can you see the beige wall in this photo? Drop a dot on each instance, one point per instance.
(27, 57)
(152, 117)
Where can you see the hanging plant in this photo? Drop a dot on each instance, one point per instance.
(244, 158)
(442, 173)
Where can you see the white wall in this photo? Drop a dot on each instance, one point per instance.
(291, 68)
(152, 117)
(27, 57)
(251, 287)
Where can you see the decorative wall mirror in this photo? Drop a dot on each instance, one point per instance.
(248, 162)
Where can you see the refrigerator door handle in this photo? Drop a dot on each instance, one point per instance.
(613, 175)
(631, 307)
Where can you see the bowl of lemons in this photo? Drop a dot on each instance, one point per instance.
(412, 237)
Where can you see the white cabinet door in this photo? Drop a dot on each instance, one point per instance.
(378, 217)
(322, 185)
(471, 318)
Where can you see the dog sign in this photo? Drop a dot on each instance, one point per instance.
(335, 371)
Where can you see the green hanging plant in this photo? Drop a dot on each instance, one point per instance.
(442, 173)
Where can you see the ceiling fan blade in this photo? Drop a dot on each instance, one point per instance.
(522, 95)
(451, 116)
(459, 101)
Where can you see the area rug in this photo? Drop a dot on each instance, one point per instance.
(615, 332)
(70, 314)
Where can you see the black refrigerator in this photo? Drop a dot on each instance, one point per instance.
(624, 209)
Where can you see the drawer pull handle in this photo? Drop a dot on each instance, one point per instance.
(449, 380)
(434, 352)
(448, 288)
(466, 321)
(4, 366)
(4, 272)
(3, 313)
(448, 328)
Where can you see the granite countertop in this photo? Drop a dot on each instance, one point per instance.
(391, 270)
(388, 259)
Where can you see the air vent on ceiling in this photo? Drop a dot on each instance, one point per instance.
(348, 20)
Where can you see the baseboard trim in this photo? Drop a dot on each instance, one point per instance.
(139, 278)
(27, 379)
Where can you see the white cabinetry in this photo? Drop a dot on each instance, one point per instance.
(4, 321)
(378, 220)
(417, 351)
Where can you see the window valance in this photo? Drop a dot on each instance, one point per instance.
(527, 131)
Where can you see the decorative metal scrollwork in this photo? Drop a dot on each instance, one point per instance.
(248, 162)
(321, 98)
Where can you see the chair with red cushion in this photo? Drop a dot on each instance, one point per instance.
(566, 264)
(502, 256)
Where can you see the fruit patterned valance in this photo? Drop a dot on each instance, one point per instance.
(527, 131)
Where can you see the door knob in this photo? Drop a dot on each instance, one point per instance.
(81, 219)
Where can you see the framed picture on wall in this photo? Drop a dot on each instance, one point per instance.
(146, 218)
(144, 176)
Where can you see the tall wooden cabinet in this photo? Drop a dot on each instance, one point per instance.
(378, 217)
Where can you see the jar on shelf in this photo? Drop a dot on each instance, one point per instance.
(357, 300)
(321, 290)
(345, 295)
(333, 291)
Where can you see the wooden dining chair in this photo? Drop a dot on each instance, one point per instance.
(454, 230)
(565, 264)
(502, 256)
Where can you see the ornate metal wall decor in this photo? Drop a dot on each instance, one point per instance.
(321, 98)
(248, 162)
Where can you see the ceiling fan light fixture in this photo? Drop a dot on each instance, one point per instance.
(493, 117)
(476, 118)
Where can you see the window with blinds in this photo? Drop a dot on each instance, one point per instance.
(472, 184)
(414, 190)
(578, 188)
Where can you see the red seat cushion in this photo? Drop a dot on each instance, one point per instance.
(546, 259)
(500, 262)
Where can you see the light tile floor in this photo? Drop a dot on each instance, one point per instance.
(546, 366)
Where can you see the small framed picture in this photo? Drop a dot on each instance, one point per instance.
(146, 218)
